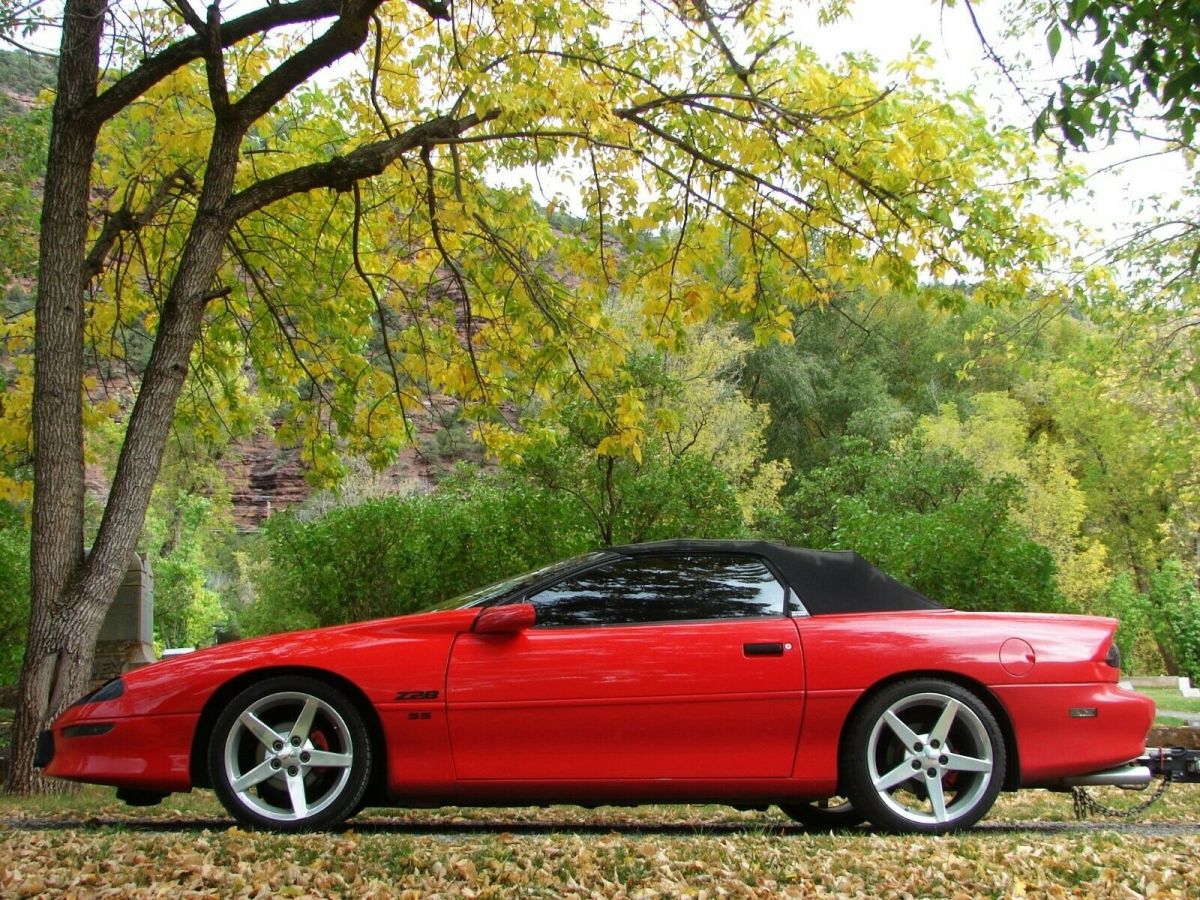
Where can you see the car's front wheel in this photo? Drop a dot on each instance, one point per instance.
(923, 755)
(290, 753)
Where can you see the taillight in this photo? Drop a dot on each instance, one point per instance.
(1114, 656)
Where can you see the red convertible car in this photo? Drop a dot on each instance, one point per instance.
(739, 672)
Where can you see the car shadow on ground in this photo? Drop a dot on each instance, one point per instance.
(439, 828)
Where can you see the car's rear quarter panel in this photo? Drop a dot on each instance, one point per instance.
(846, 656)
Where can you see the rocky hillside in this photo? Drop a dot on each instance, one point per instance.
(22, 77)
(265, 477)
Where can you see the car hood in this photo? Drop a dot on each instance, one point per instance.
(386, 652)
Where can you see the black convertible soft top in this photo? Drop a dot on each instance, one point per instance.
(825, 581)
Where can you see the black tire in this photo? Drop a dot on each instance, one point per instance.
(830, 814)
(299, 747)
(923, 755)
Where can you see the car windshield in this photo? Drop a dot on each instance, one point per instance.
(484, 595)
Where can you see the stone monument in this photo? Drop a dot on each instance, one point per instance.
(127, 636)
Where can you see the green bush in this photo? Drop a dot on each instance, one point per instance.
(928, 519)
(188, 537)
(1175, 602)
(14, 592)
(398, 555)
(1140, 654)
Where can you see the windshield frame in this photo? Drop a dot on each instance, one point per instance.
(499, 592)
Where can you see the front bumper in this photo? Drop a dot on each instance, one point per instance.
(151, 753)
(43, 754)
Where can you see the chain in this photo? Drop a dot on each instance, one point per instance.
(1085, 804)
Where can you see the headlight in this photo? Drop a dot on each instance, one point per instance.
(110, 690)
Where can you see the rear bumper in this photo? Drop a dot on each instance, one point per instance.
(1070, 730)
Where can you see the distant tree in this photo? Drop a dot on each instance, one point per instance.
(869, 367)
(928, 518)
(1051, 505)
(1136, 70)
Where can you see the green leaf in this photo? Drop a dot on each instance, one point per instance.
(1054, 40)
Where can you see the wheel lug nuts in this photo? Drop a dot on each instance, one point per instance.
(293, 770)
(932, 773)
(916, 764)
(935, 744)
(304, 757)
(918, 746)
(943, 760)
(278, 745)
(274, 764)
(295, 742)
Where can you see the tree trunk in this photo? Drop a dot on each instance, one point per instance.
(1164, 648)
(70, 593)
(64, 626)
(57, 671)
(53, 669)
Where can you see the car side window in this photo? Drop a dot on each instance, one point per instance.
(662, 589)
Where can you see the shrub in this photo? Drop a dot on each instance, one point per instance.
(14, 592)
(929, 519)
(1175, 602)
(400, 554)
(1140, 654)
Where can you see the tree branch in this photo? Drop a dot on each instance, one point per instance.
(177, 55)
(435, 8)
(379, 310)
(184, 8)
(126, 219)
(346, 33)
(214, 64)
(341, 172)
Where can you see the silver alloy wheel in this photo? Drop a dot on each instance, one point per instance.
(288, 756)
(930, 758)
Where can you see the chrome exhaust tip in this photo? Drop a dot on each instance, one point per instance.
(1128, 775)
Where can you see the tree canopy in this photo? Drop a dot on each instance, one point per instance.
(1134, 54)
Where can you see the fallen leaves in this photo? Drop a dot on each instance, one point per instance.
(646, 852)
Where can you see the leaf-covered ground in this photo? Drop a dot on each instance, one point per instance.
(90, 846)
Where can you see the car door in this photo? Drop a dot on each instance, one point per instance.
(664, 667)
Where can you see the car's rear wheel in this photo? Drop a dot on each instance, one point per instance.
(290, 753)
(829, 814)
(923, 755)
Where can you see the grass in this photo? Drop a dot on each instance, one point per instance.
(1170, 698)
(92, 845)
